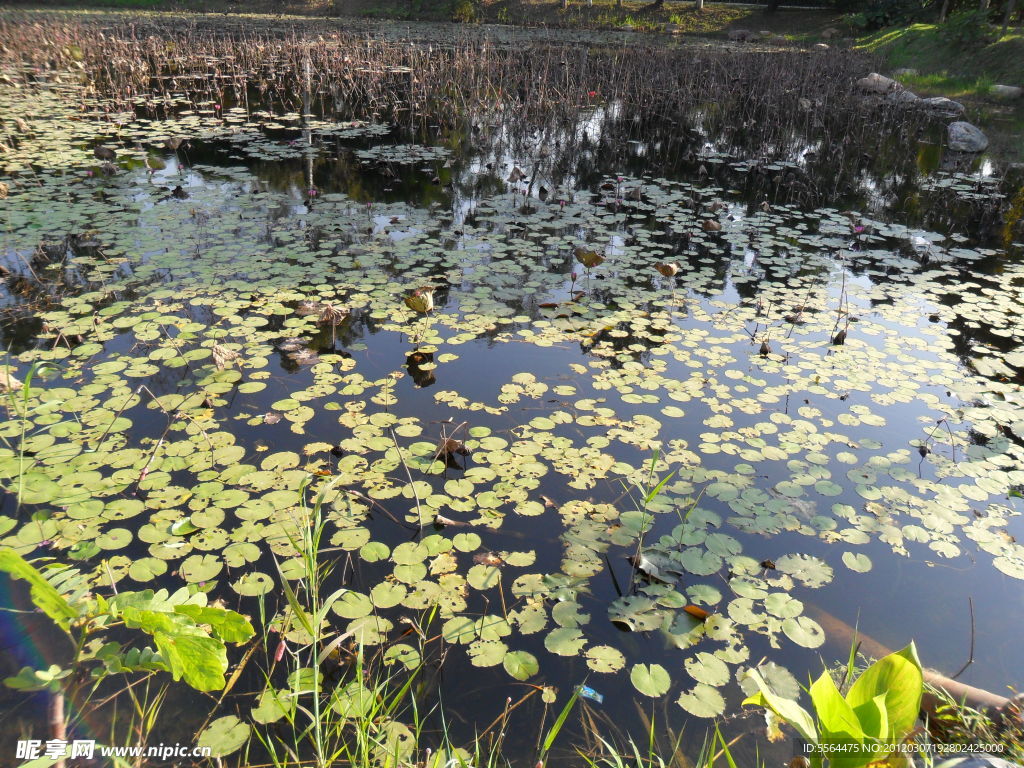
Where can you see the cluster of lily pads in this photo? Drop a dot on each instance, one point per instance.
(794, 370)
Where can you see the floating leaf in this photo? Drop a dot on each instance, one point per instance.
(520, 664)
(650, 679)
(224, 736)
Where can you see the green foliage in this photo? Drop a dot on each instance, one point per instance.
(44, 596)
(880, 708)
(463, 11)
(876, 14)
(953, 722)
(967, 28)
(190, 636)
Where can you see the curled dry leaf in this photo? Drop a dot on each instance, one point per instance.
(222, 356)
(696, 612)
(589, 258)
(332, 315)
(8, 381)
(451, 447)
(487, 558)
(421, 300)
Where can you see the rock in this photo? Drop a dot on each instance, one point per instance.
(876, 83)
(742, 35)
(830, 33)
(1005, 92)
(943, 105)
(903, 97)
(905, 72)
(964, 137)
(821, 46)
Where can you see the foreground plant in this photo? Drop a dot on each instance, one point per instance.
(868, 725)
(190, 636)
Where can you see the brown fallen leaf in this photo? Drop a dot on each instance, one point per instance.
(8, 381)
(487, 558)
(450, 447)
(222, 356)
(588, 258)
(696, 612)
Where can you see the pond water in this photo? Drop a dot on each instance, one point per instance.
(827, 375)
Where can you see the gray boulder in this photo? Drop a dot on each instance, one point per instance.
(743, 36)
(964, 137)
(1005, 92)
(903, 97)
(876, 83)
(943, 105)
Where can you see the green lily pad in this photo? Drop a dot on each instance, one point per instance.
(650, 679)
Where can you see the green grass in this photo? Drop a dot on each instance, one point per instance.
(945, 67)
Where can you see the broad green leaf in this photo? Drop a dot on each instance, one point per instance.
(198, 660)
(898, 676)
(836, 717)
(232, 627)
(44, 595)
(788, 709)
